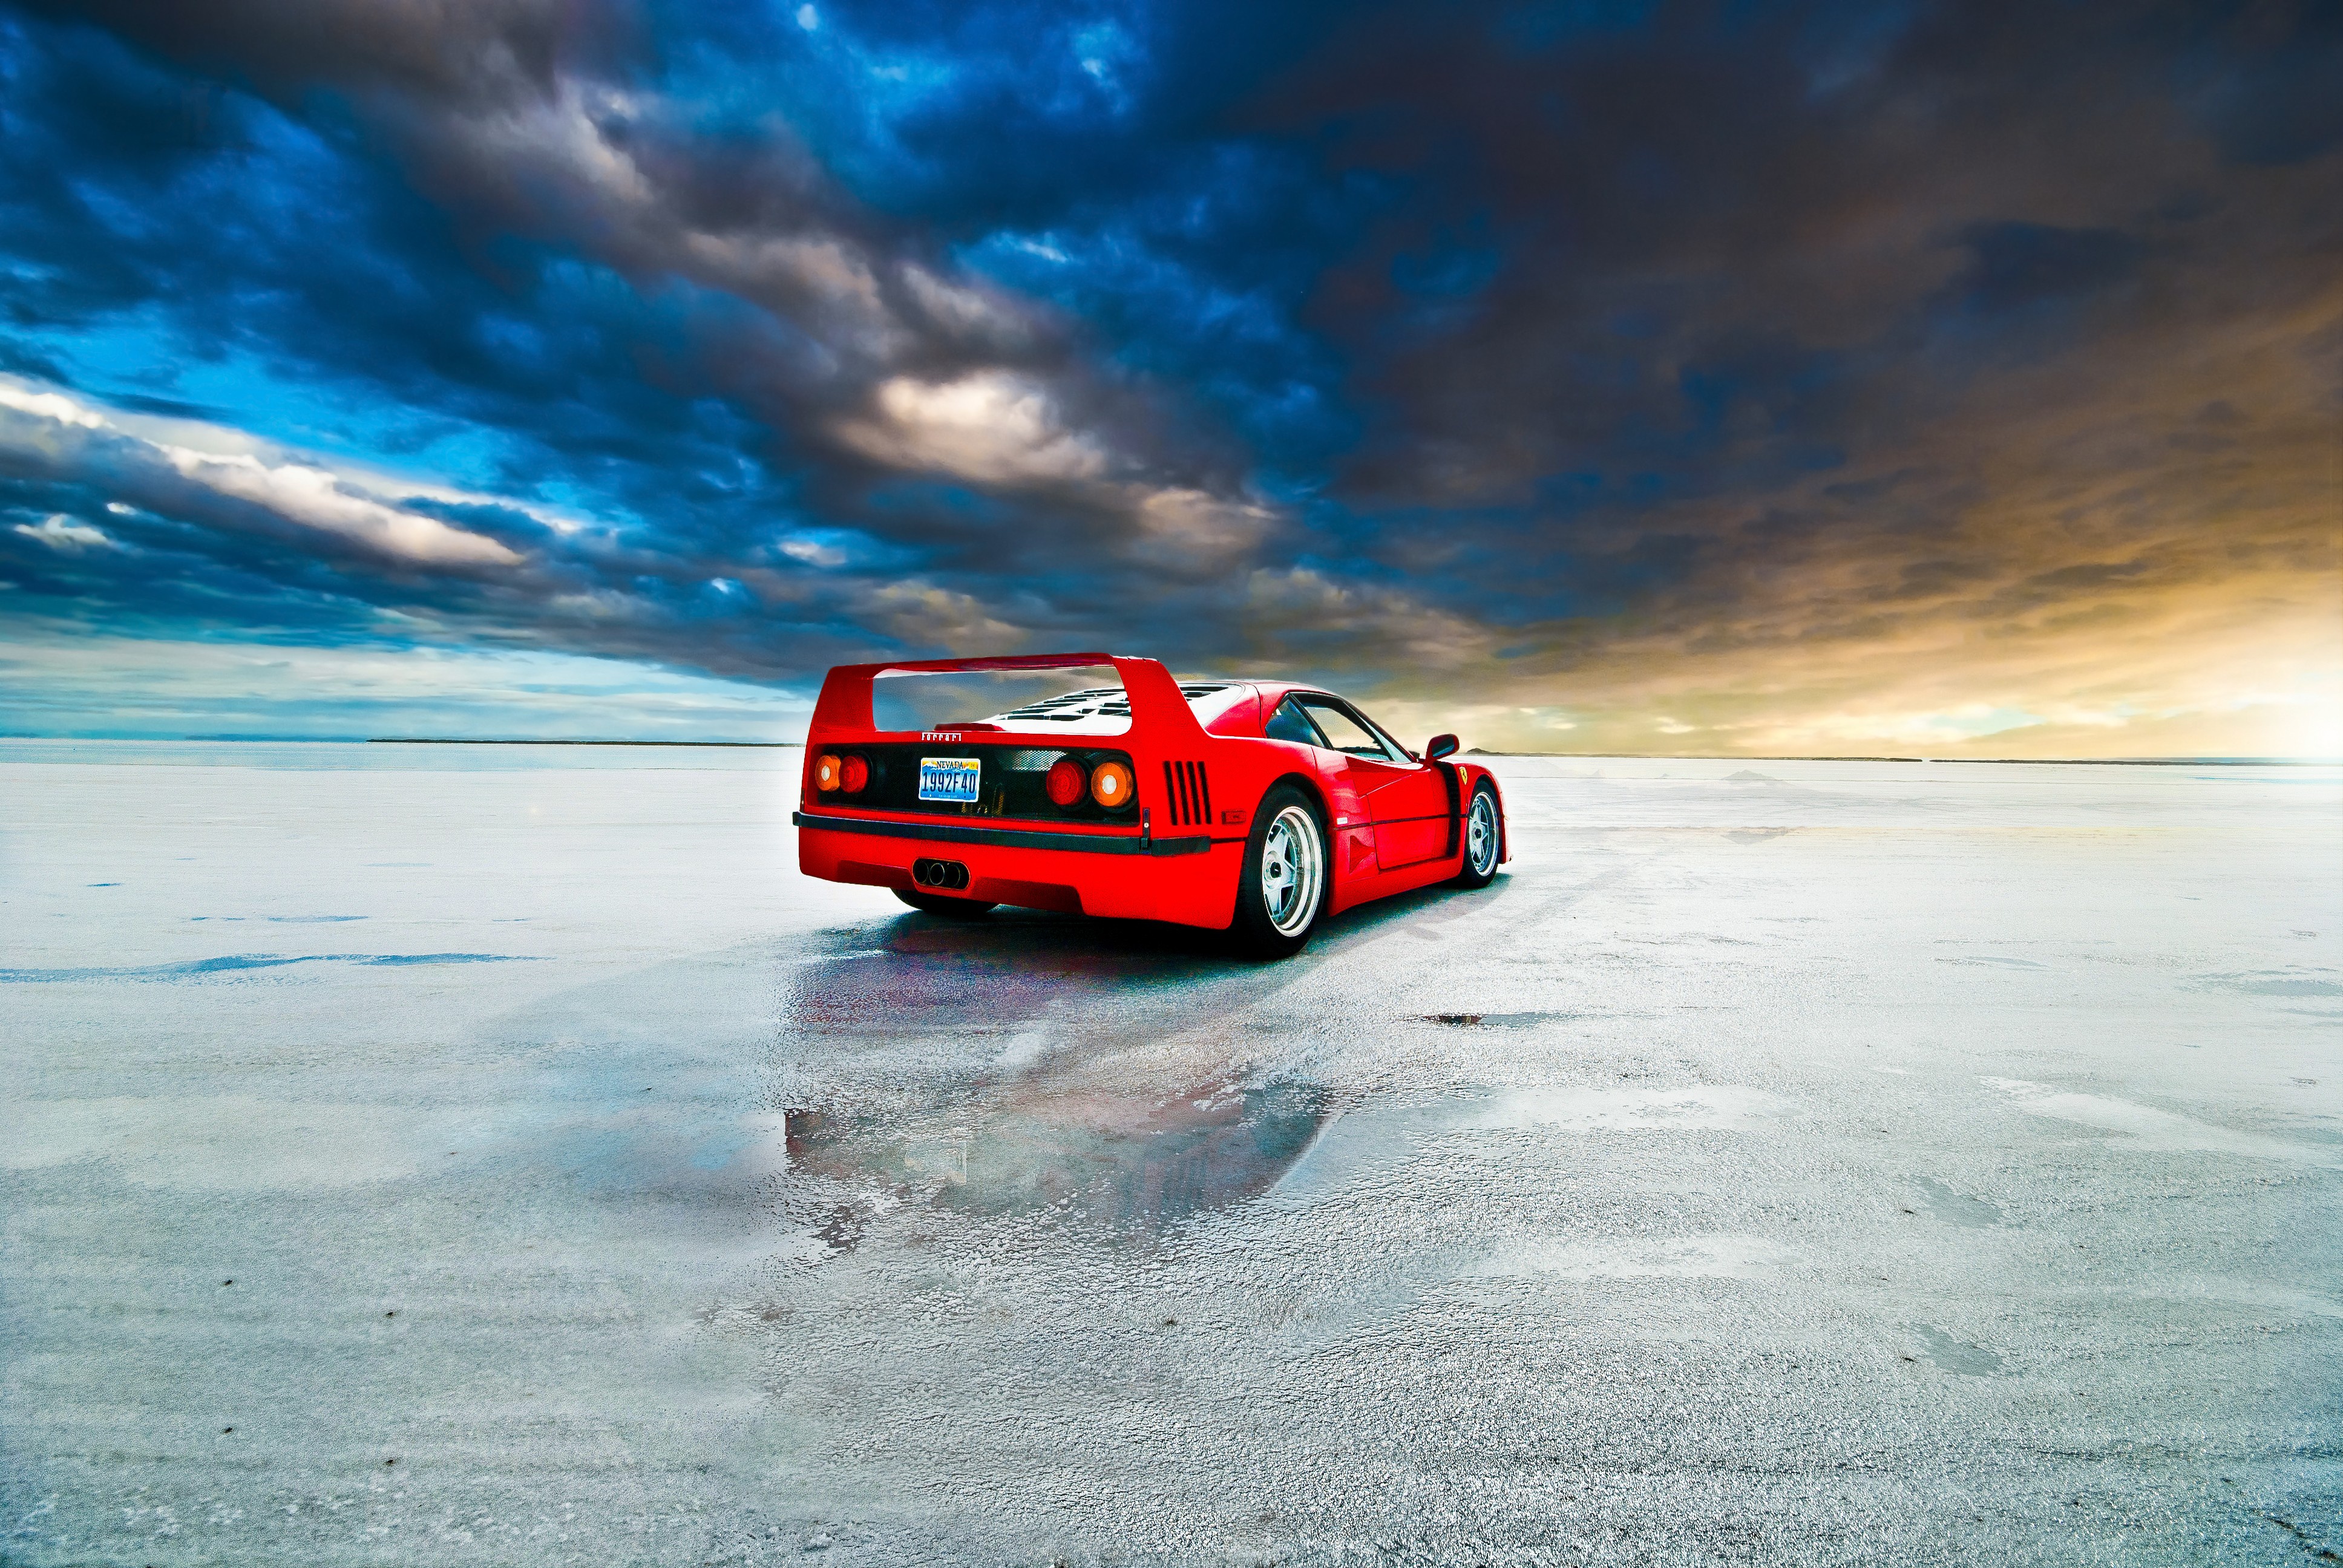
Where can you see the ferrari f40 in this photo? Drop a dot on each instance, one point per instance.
(1254, 806)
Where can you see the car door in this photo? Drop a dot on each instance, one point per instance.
(1406, 799)
(1352, 828)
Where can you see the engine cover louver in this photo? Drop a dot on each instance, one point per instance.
(1188, 794)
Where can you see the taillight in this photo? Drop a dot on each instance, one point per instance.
(1110, 785)
(853, 775)
(826, 772)
(1066, 783)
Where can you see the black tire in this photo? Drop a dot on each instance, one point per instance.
(1276, 913)
(1485, 818)
(945, 905)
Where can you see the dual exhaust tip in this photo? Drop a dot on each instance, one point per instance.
(946, 874)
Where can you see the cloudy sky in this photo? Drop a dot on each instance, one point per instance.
(1585, 375)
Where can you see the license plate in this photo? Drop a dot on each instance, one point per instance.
(949, 777)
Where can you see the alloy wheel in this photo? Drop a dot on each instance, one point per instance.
(1293, 869)
(1481, 835)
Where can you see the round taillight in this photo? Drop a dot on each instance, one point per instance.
(1110, 785)
(1066, 782)
(827, 770)
(853, 774)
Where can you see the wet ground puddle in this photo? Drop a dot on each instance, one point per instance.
(1120, 1162)
(975, 1069)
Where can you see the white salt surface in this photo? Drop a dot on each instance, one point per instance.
(1823, 1162)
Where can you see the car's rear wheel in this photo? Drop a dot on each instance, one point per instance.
(943, 904)
(1282, 889)
(1484, 837)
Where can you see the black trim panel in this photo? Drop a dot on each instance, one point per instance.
(1008, 837)
(1449, 777)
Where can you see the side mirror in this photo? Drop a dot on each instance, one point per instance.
(1438, 746)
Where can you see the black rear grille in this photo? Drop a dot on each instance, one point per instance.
(1011, 781)
(1188, 794)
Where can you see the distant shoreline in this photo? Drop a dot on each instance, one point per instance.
(440, 740)
(1474, 751)
(1582, 755)
(1997, 761)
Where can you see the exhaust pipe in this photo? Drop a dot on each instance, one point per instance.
(947, 874)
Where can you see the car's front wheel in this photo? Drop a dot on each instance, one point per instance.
(1285, 881)
(951, 908)
(1484, 835)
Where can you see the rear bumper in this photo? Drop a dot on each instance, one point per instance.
(1189, 879)
(1008, 837)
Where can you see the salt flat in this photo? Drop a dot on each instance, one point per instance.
(468, 1154)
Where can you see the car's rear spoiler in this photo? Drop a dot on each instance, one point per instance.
(1157, 707)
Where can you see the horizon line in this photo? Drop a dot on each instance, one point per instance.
(2196, 761)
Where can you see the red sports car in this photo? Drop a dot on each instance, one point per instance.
(1247, 806)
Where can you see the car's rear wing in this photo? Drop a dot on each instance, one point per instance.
(1158, 707)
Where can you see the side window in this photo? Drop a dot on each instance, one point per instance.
(1398, 753)
(1287, 724)
(1343, 732)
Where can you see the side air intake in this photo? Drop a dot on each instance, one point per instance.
(1188, 794)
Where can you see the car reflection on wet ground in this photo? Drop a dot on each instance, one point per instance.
(969, 1037)
(1831, 1163)
(1125, 1163)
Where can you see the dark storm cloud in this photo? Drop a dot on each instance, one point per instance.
(1571, 356)
(1780, 287)
(716, 279)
